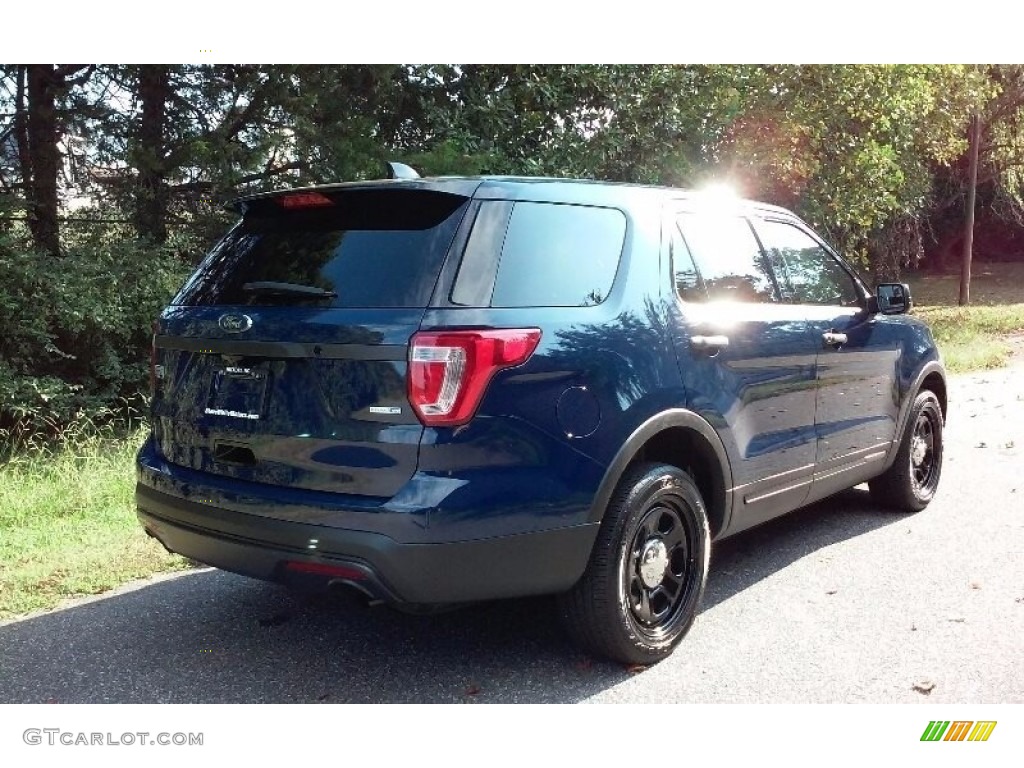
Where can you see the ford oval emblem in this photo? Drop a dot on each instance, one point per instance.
(235, 323)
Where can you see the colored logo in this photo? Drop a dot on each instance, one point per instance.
(958, 730)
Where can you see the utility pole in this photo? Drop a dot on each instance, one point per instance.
(974, 139)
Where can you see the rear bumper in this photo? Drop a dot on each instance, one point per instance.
(277, 550)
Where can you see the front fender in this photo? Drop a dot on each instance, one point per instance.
(910, 392)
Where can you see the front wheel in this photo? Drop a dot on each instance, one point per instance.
(910, 483)
(643, 585)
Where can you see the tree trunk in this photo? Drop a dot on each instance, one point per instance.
(148, 154)
(21, 131)
(972, 186)
(44, 156)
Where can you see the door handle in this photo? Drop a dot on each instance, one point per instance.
(712, 344)
(833, 339)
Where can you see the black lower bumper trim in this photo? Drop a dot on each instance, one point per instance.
(508, 566)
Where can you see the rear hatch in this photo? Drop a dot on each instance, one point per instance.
(283, 359)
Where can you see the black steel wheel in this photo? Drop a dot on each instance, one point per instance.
(646, 576)
(912, 480)
(924, 464)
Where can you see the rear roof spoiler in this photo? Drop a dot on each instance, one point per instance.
(463, 187)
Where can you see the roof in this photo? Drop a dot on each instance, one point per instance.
(547, 189)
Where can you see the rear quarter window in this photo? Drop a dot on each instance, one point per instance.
(530, 254)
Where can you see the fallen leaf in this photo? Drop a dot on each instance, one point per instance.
(975, 585)
(982, 444)
(924, 687)
(831, 591)
(323, 697)
(635, 668)
(472, 689)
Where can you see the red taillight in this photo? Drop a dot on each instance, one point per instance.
(449, 370)
(304, 200)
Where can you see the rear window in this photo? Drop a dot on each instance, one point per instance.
(373, 248)
(540, 255)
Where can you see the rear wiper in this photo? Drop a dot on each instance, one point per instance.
(288, 289)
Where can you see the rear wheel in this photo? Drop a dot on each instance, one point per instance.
(910, 483)
(646, 575)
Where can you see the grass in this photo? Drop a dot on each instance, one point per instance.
(984, 334)
(67, 517)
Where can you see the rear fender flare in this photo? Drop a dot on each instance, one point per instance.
(673, 418)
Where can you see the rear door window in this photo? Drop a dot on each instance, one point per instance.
(728, 257)
(531, 254)
(689, 286)
(372, 248)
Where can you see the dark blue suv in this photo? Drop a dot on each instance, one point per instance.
(438, 391)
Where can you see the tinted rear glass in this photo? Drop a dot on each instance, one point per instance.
(540, 255)
(373, 248)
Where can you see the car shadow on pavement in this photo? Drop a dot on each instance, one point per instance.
(743, 560)
(210, 636)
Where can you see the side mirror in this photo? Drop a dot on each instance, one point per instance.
(893, 298)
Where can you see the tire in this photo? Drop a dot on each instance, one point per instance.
(910, 483)
(656, 519)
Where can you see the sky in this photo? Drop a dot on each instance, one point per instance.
(548, 31)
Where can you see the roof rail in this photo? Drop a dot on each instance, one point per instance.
(401, 171)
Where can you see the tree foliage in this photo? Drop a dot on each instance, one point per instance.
(113, 177)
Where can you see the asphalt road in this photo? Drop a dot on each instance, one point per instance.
(840, 602)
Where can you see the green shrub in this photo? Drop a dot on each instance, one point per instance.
(74, 330)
